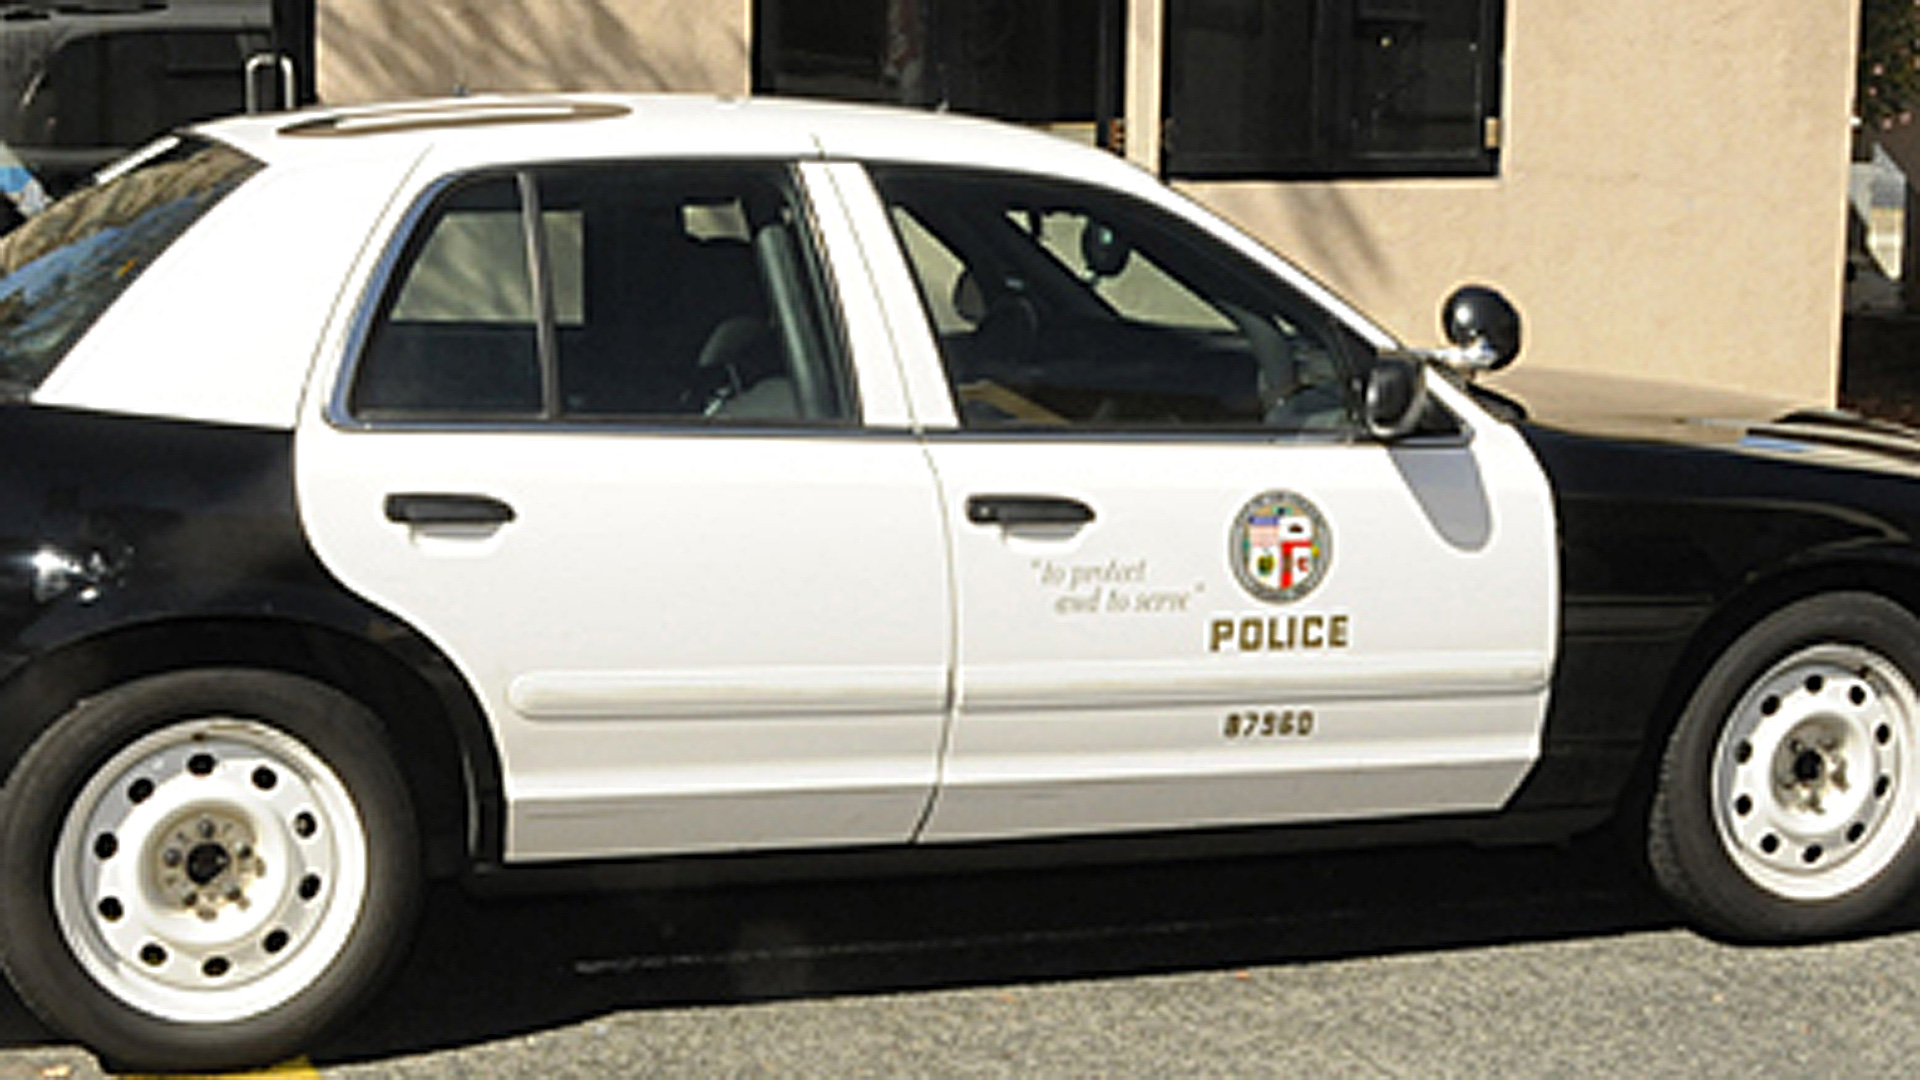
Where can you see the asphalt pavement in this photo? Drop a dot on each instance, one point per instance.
(1425, 962)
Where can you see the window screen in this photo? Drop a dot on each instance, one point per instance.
(1332, 87)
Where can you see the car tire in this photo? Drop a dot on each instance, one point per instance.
(204, 870)
(1788, 801)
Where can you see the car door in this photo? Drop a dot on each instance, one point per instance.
(1191, 590)
(598, 439)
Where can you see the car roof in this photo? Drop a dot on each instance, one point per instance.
(530, 127)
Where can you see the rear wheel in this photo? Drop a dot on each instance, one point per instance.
(1789, 799)
(204, 869)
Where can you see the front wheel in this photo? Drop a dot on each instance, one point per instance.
(204, 869)
(1788, 803)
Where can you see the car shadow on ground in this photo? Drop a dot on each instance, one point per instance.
(489, 969)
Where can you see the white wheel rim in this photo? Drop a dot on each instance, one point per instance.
(210, 871)
(1813, 777)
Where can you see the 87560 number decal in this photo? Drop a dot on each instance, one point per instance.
(1268, 724)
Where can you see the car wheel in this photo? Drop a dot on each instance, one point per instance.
(203, 870)
(1788, 803)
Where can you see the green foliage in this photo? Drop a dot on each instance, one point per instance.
(1887, 85)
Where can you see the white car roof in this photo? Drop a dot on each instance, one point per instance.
(501, 128)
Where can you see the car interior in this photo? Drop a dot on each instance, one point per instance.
(1053, 310)
(673, 294)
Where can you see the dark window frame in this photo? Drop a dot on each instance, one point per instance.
(1330, 148)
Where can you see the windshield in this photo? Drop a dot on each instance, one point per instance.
(67, 265)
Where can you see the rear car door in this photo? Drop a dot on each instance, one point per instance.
(1192, 591)
(599, 440)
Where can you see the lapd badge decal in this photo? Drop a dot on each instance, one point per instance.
(1280, 547)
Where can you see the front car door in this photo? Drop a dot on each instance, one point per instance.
(598, 439)
(1191, 591)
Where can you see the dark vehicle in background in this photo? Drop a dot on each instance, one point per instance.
(83, 83)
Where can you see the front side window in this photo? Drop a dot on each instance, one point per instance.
(663, 292)
(1322, 88)
(1062, 307)
(68, 264)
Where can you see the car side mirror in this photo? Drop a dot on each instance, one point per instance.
(1483, 326)
(1396, 397)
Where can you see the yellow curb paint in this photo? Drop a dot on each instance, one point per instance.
(297, 1069)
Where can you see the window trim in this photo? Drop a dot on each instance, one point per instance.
(382, 288)
(546, 334)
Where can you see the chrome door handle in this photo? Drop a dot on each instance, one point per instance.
(426, 508)
(1011, 510)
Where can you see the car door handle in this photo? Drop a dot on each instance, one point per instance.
(1027, 510)
(435, 509)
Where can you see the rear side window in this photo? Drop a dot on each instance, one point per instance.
(66, 266)
(651, 292)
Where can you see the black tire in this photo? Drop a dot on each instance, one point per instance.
(1788, 802)
(205, 870)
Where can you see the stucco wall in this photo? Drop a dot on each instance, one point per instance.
(1671, 202)
(380, 49)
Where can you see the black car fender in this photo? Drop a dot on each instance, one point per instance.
(143, 545)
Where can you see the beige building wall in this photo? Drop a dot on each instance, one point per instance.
(370, 50)
(1671, 201)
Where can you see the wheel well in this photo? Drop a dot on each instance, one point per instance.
(450, 793)
(1898, 582)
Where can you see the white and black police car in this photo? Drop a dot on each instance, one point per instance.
(476, 487)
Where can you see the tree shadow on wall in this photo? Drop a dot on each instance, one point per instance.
(376, 49)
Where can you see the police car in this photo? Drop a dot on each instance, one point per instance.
(503, 485)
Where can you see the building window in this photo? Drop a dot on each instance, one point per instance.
(1328, 88)
(1056, 63)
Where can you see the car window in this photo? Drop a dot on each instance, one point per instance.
(68, 264)
(1060, 306)
(656, 292)
(1139, 289)
(474, 268)
(940, 273)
